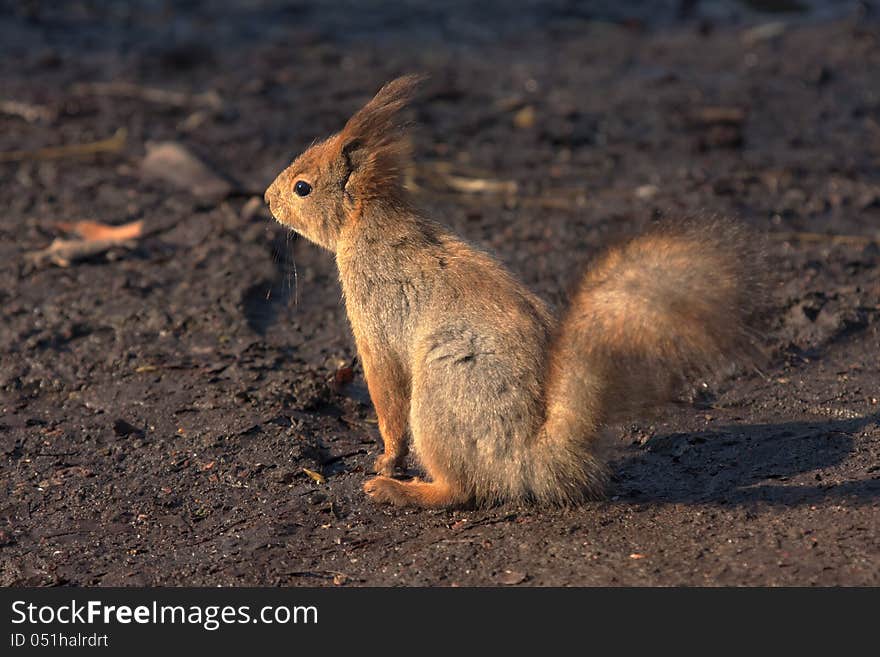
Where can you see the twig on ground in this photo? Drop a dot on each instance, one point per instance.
(30, 113)
(828, 237)
(441, 174)
(112, 145)
(63, 252)
(467, 185)
(207, 99)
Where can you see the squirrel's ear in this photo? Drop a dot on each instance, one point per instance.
(373, 142)
(378, 121)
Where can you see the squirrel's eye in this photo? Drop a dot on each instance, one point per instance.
(302, 188)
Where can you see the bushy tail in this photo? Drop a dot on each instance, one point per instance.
(671, 306)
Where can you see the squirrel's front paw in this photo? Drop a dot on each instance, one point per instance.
(386, 464)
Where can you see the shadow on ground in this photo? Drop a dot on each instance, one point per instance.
(732, 465)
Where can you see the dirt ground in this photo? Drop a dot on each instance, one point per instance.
(161, 401)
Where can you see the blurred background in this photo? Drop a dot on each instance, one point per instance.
(171, 359)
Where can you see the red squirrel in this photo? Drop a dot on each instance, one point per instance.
(502, 400)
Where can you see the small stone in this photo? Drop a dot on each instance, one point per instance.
(512, 577)
(124, 429)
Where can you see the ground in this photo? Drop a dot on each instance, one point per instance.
(161, 403)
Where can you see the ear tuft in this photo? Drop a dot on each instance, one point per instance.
(378, 121)
(373, 142)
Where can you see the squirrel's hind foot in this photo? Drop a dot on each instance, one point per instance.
(386, 464)
(434, 494)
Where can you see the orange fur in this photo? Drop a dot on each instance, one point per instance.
(498, 398)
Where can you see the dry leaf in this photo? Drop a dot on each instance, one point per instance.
(317, 476)
(525, 118)
(96, 239)
(342, 377)
(94, 230)
(173, 163)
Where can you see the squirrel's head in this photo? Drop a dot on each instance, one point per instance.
(332, 183)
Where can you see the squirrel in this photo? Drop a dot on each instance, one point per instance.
(502, 401)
